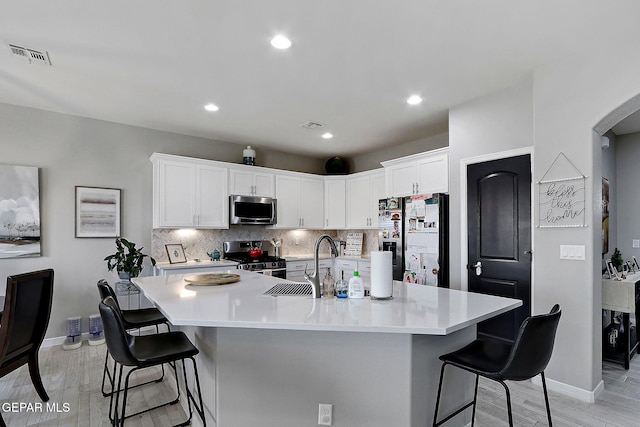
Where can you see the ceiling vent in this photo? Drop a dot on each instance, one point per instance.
(312, 125)
(31, 55)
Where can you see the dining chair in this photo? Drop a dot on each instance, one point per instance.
(25, 317)
(499, 361)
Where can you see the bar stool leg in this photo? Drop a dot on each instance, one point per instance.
(546, 398)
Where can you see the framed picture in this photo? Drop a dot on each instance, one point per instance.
(19, 211)
(613, 273)
(175, 253)
(97, 212)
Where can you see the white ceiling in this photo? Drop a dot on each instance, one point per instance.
(155, 63)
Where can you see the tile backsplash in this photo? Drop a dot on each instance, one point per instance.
(294, 242)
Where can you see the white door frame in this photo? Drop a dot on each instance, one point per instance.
(464, 230)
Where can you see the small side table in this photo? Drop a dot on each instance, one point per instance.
(622, 296)
(128, 290)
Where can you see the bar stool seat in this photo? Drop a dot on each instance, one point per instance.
(149, 350)
(139, 352)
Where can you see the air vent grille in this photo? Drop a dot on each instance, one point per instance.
(312, 125)
(31, 55)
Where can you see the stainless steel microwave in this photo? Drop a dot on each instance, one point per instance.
(252, 210)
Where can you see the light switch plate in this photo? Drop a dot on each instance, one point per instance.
(573, 252)
(636, 243)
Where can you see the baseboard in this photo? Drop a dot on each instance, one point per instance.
(571, 391)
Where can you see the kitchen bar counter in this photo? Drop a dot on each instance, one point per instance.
(414, 309)
(270, 361)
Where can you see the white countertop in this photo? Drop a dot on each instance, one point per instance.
(196, 264)
(414, 309)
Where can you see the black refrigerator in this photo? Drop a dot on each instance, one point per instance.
(416, 230)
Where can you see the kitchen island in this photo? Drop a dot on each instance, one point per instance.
(270, 361)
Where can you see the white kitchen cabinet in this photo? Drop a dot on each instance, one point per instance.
(424, 173)
(349, 265)
(296, 268)
(247, 181)
(335, 203)
(300, 201)
(189, 193)
(363, 190)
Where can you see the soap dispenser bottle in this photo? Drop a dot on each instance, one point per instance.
(342, 287)
(356, 286)
(327, 285)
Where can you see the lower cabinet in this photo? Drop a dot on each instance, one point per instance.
(295, 269)
(349, 265)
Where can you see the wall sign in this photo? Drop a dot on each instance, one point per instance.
(561, 201)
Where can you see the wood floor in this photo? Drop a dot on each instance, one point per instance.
(73, 378)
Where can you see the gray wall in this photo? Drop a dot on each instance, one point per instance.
(492, 124)
(74, 151)
(372, 160)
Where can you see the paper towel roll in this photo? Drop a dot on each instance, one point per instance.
(381, 275)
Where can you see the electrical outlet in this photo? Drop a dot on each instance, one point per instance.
(324, 414)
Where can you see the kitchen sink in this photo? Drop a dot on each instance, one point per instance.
(290, 289)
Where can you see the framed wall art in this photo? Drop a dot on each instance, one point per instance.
(175, 252)
(97, 212)
(19, 211)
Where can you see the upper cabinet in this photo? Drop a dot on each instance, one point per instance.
(335, 206)
(251, 181)
(423, 173)
(300, 201)
(363, 190)
(189, 193)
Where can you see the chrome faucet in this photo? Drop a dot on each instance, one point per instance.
(314, 278)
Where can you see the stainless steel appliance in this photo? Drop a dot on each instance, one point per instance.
(239, 251)
(416, 230)
(252, 210)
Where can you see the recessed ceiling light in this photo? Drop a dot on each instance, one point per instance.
(327, 135)
(211, 107)
(281, 42)
(414, 100)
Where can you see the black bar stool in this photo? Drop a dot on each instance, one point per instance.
(132, 319)
(496, 360)
(144, 351)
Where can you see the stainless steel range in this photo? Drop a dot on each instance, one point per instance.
(247, 254)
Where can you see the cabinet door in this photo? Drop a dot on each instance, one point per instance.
(175, 193)
(263, 184)
(358, 199)
(311, 203)
(287, 195)
(335, 208)
(377, 182)
(433, 174)
(212, 201)
(240, 182)
(400, 179)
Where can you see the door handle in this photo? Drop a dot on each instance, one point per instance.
(478, 267)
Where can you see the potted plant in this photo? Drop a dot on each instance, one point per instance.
(127, 260)
(616, 259)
